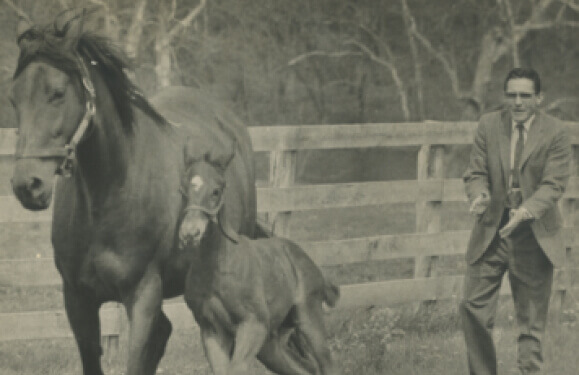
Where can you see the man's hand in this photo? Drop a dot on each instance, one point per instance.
(480, 204)
(516, 216)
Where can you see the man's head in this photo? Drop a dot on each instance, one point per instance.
(522, 93)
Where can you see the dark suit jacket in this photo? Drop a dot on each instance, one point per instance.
(545, 170)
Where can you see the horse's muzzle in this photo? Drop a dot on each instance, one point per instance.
(192, 230)
(32, 189)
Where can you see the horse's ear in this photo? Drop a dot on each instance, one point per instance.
(24, 25)
(223, 159)
(69, 28)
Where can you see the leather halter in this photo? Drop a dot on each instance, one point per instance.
(68, 152)
(213, 215)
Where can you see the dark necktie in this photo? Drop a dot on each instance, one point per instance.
(518, 153)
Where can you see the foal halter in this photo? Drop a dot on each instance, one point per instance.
(68, 152)
(213, 215)
(211, 212)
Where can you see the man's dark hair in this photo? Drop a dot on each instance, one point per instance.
(528, 73)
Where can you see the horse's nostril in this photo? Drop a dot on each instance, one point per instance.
(35, 183)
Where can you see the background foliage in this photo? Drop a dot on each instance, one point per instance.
(332, 61)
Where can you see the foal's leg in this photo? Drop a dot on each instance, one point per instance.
(310, 322)
(279, 358)
(149, 327)
(217, 347)
(83, 316)
(249, 339)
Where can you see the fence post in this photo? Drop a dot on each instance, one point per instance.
(282, 173)
(110, 343)
(428, 213)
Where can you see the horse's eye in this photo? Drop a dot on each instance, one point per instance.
(216, 192)
(55, 96)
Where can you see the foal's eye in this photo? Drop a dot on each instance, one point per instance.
(55, 96)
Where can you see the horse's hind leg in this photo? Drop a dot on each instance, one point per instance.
(281, 359)
(82, 312)
(310, 322)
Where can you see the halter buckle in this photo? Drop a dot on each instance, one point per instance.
(67, 167)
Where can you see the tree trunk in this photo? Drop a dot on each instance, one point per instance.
(135, 31)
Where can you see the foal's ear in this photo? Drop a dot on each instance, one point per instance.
(24, 25)
(192, 150)
(68, 26)
(221, 159)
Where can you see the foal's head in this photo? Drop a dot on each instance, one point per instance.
(203, 187)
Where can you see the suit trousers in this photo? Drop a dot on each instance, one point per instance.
(531, 278)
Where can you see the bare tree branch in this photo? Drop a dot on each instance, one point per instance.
(64, 4)
(307, 55)
(536, 18)
(393, 72)
(450, 70)
(571, 4)
(185, 22)
(18, 11)
(522, 30)
(514, 44)
(558, 102)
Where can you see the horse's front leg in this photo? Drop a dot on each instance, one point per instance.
(218, 347)
(83, 315)
(149, 327)
(249, 339)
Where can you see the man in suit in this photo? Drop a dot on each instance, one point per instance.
(518, 170)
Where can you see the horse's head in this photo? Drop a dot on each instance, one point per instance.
(52, 96)
(203, 187)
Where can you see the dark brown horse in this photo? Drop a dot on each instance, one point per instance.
(251, 297)
(117, 199)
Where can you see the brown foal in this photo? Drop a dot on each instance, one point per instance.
(251, 297)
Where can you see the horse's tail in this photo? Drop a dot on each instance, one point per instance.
(331, 293)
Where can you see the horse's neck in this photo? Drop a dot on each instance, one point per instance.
(215, 244)
(102, 154)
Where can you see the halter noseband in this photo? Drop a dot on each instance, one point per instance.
(68, 152)
(213, 214)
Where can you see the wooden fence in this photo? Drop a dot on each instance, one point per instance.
(282, 197)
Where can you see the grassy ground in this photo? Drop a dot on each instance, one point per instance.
(365, 341)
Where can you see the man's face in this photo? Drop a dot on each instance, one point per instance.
(521, 99)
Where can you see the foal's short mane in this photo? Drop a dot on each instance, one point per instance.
(45, 44)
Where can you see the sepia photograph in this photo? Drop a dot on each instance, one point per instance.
(291, 187)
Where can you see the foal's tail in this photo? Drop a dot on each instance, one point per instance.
(331, 294)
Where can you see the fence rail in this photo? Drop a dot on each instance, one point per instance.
(282, 196)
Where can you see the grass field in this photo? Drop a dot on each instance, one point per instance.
(364, 341)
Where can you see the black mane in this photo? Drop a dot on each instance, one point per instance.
(99, 54)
